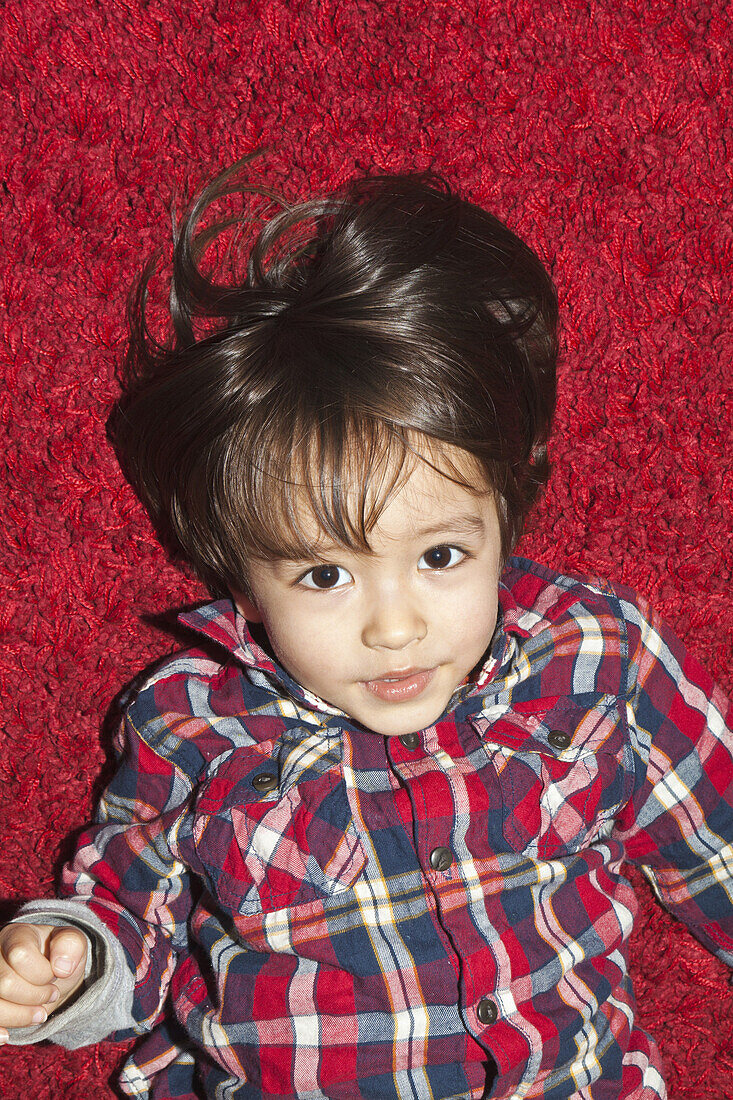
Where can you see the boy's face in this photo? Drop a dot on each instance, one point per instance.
(386, 636)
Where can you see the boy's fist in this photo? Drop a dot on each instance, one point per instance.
(40, 967)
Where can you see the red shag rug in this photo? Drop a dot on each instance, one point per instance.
(600, 131)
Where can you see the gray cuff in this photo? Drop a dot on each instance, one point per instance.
(105, 1005)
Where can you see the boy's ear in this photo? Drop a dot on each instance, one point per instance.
(247, 606)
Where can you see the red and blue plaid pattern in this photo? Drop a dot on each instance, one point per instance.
(332, 914)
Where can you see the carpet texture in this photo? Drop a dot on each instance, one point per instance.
(600, 130)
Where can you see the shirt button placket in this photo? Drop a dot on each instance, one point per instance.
(487, 1011)
(441, 859)
(410, 741)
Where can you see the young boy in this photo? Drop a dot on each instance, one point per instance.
(366, 837)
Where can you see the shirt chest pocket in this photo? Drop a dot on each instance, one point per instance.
(563, 776)
(277, 852)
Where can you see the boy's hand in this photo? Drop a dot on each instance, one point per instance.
(40, 967)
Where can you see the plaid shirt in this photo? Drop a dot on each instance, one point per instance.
(330, 913)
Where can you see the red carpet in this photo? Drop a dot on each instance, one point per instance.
(600, 131)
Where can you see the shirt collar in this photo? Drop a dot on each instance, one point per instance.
(224, 624)
(502, 649)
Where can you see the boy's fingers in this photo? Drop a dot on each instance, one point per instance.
(22, 948)
(15, 1015)
(67, 952)
(15, 992)
(40, 967)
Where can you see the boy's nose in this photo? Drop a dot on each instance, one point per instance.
(393, 624)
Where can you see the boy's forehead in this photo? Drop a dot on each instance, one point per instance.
(426, 494)
(421, 466)
(431, 493)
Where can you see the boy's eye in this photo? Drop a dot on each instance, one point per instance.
(326, 576)
(441, 557)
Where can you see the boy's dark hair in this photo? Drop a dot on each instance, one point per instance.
(367, 320)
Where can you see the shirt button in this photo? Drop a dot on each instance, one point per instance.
(264, 782)
(487, 1011)
(559, 739)
(441, 859)
(410, 740)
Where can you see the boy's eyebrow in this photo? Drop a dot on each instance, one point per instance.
(463, 523)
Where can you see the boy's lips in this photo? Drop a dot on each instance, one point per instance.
(400, 685)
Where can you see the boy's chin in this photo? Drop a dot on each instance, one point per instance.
(402, 724)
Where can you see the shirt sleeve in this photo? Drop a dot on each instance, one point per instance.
(128, 875)
(678, 825)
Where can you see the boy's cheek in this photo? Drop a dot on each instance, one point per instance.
(471, 620)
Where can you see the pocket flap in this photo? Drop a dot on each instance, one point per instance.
(276, 853)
